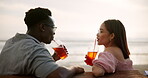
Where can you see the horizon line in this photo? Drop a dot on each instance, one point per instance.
(86, 40)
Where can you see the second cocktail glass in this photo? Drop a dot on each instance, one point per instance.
(60, 49)
(91, 55)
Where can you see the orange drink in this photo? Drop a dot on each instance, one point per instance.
(92, 55)
(61, 52)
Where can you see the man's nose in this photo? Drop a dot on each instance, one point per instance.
(97, 34)
(54, 33)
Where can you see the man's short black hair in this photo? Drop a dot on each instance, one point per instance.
(35, 16)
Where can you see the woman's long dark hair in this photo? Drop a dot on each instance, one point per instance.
(116, 27)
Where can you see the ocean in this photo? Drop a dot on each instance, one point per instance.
(78, 49)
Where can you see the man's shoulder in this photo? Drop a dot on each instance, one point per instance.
(22, 44)
(22, 38)
(28, 42)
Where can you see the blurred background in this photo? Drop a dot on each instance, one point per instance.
(78, 22)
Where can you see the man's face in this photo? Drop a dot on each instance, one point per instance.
(49, 31)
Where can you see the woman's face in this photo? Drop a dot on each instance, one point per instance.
(103, 36)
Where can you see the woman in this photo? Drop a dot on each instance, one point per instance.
(115, 57)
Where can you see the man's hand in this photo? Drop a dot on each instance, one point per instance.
(78, 70)
(63, 72)
(55, 56)
(64, 48)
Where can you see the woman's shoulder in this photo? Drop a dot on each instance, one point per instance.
(116, 52)
(112, 50)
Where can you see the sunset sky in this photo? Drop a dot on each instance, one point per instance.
(77, 19)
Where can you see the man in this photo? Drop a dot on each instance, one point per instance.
(24, 54)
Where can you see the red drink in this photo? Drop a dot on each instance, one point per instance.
(90, 57)
(61, 52)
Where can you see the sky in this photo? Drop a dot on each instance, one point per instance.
(77, 19)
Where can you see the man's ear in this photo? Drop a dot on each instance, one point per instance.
(42, 27)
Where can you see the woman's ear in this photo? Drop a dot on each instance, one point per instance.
(112, 36)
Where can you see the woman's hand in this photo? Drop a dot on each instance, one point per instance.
(88, 60)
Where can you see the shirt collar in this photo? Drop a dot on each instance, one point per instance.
(19, 36)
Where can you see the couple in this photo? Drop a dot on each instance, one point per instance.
(24, 54)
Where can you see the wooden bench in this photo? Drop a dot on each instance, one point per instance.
(120, 74)
(15, 76)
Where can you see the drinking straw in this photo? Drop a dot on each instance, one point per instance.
(95, 44)
(55, 42)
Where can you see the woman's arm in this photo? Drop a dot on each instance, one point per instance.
(97, 71)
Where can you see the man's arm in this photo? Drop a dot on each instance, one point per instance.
(62, 72)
